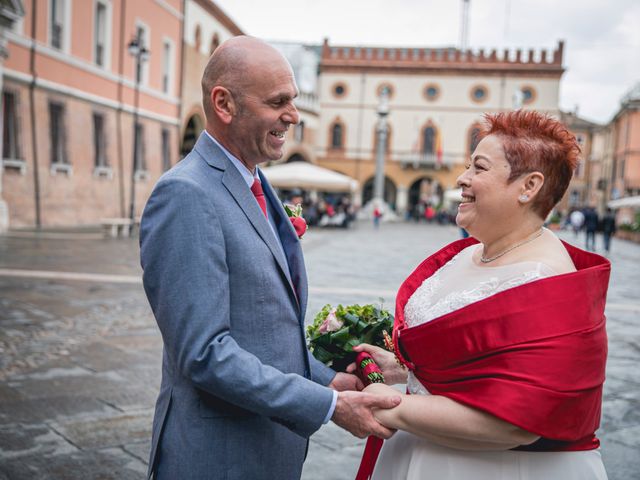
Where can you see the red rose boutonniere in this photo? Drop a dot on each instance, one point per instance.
(295, 215)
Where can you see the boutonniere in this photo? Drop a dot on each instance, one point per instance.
(295, 215)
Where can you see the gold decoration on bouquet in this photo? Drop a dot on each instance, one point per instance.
(388, 343)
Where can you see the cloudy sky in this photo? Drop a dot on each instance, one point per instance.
(602, 38)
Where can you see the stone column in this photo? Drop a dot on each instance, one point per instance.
(402, 200)
(382, 130)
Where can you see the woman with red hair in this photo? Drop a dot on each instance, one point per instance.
(500, 337)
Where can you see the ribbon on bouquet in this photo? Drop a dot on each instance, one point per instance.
(368, 369)
(368, 462)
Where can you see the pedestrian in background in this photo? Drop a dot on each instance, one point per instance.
(590, 226)
(577, 220)
(377, 215)
(429, 213)
(608, 228)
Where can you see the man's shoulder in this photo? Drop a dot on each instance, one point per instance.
(193, 165)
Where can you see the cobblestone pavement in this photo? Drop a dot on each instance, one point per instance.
(80, 352)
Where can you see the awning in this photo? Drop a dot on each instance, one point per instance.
(453, 195)
(633, 202)
(307, 176)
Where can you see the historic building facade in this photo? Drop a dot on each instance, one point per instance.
(625, 172)
(70, 94)
(600, 161)
(205, 27)
(580, 193)
(11, 12)
(436, 99)
(623, 180)
(71, 91)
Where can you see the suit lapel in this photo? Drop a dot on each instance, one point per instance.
(237, 187)
(290, 244)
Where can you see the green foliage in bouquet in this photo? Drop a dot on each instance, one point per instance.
(335, 331)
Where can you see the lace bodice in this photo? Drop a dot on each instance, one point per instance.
(461, 282)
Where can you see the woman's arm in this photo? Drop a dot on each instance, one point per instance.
(450, 423)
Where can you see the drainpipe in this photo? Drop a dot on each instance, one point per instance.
(4, 211)
(123, 8)
(34, 130)
(181, 79)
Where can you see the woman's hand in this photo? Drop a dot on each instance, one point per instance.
(387, 417)
(392, 371)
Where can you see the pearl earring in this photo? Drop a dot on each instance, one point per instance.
(524, 198)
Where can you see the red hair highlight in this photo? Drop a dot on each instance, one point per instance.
(535, 142)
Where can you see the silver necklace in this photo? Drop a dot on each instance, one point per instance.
(484, 259)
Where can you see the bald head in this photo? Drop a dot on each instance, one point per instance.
(235, 65)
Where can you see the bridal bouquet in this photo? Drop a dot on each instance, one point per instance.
(335, 331)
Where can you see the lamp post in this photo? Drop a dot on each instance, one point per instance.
(140, 53)
(382, 131)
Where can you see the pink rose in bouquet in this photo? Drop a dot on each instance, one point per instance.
(331, 323)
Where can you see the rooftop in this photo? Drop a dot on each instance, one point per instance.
(441, 58)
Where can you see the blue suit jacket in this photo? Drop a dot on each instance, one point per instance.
(240, 392)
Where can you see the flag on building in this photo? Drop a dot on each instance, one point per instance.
(438, 147)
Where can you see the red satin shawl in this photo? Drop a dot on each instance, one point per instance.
(533, 355)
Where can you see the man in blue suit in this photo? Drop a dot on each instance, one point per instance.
(225, 277)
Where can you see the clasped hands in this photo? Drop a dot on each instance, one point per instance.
(356, 405)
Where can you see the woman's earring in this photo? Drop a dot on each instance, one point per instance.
(523, 198)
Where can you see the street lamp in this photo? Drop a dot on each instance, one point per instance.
(382, 130)
(138, 51)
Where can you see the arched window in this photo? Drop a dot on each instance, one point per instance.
(337, 135)
(429, 141)
(215, 41)
(195, 125)
(473, 139)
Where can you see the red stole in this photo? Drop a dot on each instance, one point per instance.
(533, 355)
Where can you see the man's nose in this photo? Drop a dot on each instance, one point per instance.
(291, 115)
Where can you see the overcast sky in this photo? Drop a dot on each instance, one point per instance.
(602, 38)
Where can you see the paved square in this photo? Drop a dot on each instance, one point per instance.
(80, 353)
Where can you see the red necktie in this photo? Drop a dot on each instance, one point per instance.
(257, 191)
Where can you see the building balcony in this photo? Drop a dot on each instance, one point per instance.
(428, 161)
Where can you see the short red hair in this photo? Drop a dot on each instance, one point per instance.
(535, 142)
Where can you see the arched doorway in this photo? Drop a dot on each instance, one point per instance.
(422, 192)
(195, 125)
(390, 192)
(296, 157)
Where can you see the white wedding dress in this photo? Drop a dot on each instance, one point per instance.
(408, 457)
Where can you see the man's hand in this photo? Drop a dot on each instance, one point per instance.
(354, 413)
(346, 381)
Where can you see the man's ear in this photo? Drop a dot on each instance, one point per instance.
(223, 103)
(532, 184)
